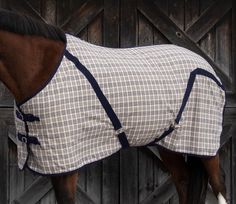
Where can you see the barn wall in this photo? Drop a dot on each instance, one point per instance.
(205, 26)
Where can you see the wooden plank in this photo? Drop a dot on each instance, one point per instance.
(83, 197)
(49, 11)
(174, 34)
(34, 192)
(29, 178)
(223, 45)
(84, 34)
(16, 178)
(49, 198)
(160, 171)
(208, 44)
(174, 200)
(159, 38)
(95, 31)
(12, 136)
(128, 21)
(6, 115)
(6, 98)
(36, 4)
(94, 181)
(4, 162)
(226, 134)
(111, 23)
(129, 176)
(205, 5)
(64, 10)
(83, 16)
(226, 166)
(146, 173)
(110, 177)
(234, 48)
(82, 182)
(208, 19)
(155, 152)
(176, 12)
(3, 4)
(233, 195)
(162, 5)
(25, 8)
(233, 170)
(191, 12)
(145, 31)
(162, 193)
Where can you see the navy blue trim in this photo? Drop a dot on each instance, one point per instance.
(102, 98)
(106, 157)
(191, 80)
(25, 138)
(123, 140)
(167, 132)
(28, 139)
(26, 117)
(67, 172)
(19, 103)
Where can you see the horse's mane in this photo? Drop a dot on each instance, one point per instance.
(21, 24)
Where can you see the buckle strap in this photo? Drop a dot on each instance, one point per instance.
(26, 117)
(122, 138)
(187, 93)
(102, 98)
(28, 139)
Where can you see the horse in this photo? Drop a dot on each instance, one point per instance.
(32, 52)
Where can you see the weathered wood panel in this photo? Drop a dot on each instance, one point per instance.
(4, 163)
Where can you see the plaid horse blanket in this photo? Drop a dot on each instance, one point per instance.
(102, 99)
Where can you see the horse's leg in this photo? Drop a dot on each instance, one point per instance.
(65, 188)
(212, 166)
(176, 165)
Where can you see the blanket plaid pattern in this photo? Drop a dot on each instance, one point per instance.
(64, 126)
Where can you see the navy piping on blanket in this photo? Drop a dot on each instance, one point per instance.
(27, 118)
(27, 139)
(102, 98)
(191, 81)
(109, 110)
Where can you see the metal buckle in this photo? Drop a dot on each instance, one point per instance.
(119, 131)
(24, 140)
(175, 125)
(19, 115)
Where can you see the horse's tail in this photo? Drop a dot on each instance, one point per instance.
(198, 181)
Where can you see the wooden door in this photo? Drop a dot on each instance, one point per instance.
(204, 26)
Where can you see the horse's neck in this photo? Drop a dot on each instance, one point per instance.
(28, 63)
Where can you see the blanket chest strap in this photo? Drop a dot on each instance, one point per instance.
(102, 98)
